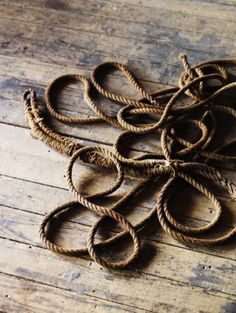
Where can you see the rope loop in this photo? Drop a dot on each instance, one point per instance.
(183, 121)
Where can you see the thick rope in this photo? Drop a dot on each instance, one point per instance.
(180, 160)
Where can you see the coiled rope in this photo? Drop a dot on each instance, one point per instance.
(201, 85)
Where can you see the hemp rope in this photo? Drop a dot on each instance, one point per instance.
(180, 159)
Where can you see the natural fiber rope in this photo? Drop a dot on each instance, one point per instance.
(180, 158)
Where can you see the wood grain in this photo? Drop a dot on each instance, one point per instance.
(26, 295)
(131, 285)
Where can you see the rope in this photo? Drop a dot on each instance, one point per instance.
(180, 160)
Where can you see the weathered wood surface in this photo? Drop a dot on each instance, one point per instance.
(40, 40)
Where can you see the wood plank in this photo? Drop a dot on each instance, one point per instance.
(145, 55)
(192, 7)
(19, 260)
(130, 13)
(24, 296)
(90, 21)
(201, 270)
(80, 56)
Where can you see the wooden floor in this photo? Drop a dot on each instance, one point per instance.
(41, 39)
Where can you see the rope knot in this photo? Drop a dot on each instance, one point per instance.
(173, 165)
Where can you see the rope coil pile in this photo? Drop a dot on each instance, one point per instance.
(180, 159)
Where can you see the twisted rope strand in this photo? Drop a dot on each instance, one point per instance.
(180, 159)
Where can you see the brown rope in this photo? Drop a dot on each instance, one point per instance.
(180, 159)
